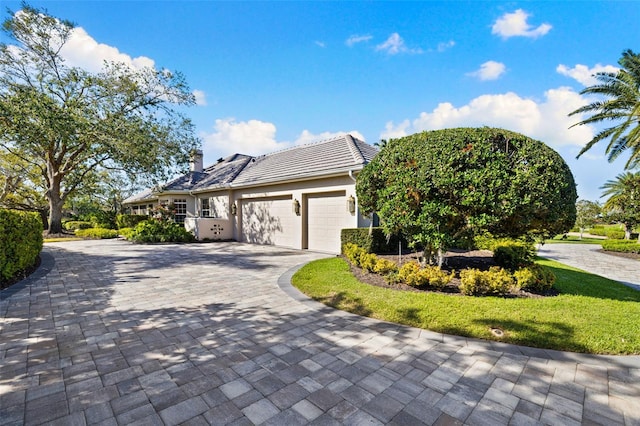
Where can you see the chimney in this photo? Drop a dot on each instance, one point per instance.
(195, 162)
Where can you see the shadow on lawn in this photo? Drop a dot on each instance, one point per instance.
(541, 333)
(344, 302)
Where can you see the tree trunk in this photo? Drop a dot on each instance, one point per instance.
(55, 207)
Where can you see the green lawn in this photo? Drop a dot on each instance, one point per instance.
(574, 239)
(592, 314)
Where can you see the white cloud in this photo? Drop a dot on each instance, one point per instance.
(354, 39)
(320, 44)
(81, 50)
(515, 24)
(445, 45)
(490, 70)
(547, 120)
(395, 44)
(307, 137)
(201, 98)
(583, 74)
(253, 137)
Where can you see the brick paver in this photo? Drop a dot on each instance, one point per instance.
(108, 332)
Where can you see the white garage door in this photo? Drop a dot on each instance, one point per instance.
(268, 221)
(327, 215)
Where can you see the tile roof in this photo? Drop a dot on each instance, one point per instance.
(335, 155)
(321, 158)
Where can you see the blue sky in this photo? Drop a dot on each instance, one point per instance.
(270, 75)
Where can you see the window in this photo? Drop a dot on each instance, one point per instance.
(205, 210)
(134, 210)
(180, 210)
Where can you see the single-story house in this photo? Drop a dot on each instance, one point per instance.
(299, 197)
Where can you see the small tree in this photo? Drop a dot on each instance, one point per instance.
(587, 214)
(433, 187)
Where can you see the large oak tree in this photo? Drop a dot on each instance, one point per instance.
(66, 123)
(433, 187)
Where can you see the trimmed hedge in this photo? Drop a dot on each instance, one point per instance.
(97, 233)
(130, 220)
(21, 242)
(621, 246)
(513, 254)
(157, 231)
(376, 242)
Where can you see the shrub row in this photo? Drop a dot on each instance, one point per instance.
(368, 261)
(612, 233)
(96, 233)
(496, 281)
(374, 242)
(428, 276)
(621, 246)
(157, 231)
(21, 242)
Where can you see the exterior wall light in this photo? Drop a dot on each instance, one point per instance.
(296, 207)
(234, 209)
(351, 204)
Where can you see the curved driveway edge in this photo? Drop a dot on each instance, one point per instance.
(117, 333)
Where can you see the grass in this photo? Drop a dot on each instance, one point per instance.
(591, 315)
(57, 240)
(574, 239)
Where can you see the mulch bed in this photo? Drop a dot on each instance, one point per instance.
(455, 260)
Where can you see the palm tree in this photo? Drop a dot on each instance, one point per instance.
(622, 89)
(624, 200)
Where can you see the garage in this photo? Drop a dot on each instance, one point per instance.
(327, 215)
(268, 221)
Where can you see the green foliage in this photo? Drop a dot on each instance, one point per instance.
(73, 225)
(584, 317)
(429, 276)
(609, 232)
(534, 278)
(368, 261)
(385, 267)
(72, 123)
(96, 233)
(376, 242)
(623, 204)
(129, 220)
(156, 231)
(496, 282)
(621, 90)
(21, 242)
(409, 274)
(433, 187)
(353, 252)
(125, 232)
(587, 214)
(621, 246)
(513, 254)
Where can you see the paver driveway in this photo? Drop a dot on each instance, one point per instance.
(107, 332)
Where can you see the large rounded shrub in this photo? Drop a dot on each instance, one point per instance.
(432, 187)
